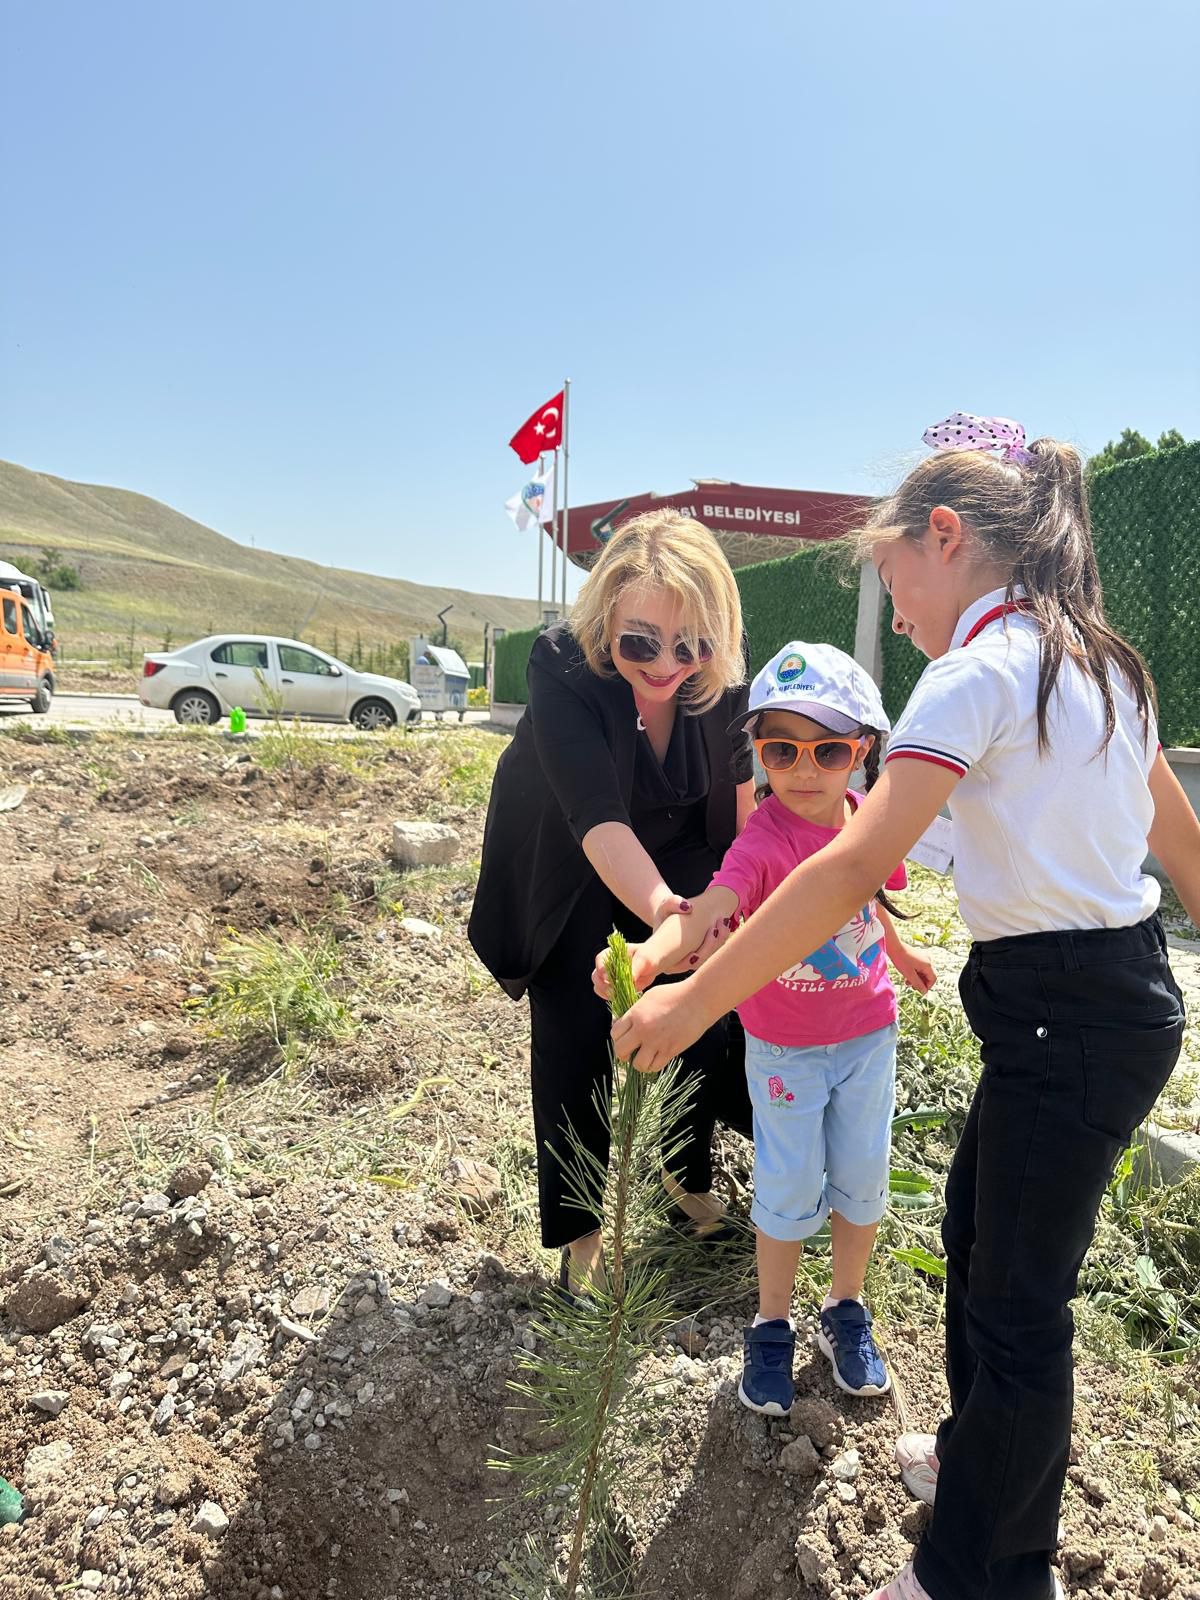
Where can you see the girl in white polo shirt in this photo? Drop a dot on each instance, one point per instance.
(1036, 722)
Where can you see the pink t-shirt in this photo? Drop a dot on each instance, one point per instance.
(842, 990)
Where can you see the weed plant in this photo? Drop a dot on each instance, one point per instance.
(287, 988)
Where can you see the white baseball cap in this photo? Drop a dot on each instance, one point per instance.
(821, 682)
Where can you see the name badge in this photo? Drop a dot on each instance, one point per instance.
(935, 848)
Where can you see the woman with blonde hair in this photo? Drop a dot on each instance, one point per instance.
(616, 800)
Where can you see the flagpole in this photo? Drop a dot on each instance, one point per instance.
(553, 548)
(537, 523)
(566, 497)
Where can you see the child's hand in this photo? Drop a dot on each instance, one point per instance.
(644, 972)
(916, 971)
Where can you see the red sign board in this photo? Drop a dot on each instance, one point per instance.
(752, 524)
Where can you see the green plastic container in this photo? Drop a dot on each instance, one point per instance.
(237, 720)
(12, 1507)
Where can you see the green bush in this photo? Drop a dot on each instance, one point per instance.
(281, 986)
(812, 595)
(903, 664)
(1146, 527)
(1146, 524)
(512, 657)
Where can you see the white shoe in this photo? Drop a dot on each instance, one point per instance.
(903, 1587)
(908, 1588)
(916, 1454)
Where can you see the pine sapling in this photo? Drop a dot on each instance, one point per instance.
(583, 1377)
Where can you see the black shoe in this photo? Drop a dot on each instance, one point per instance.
(724, 1230)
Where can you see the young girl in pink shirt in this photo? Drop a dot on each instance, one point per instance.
(820, 1038)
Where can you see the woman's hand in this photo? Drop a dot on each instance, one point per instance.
(916, 971)
(657, 1029)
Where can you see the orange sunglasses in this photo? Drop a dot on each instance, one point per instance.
(830, 755)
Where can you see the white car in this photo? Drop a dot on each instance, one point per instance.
(204, 681)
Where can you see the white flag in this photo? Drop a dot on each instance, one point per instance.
(535, 503)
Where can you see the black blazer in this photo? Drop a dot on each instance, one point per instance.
(568, 769)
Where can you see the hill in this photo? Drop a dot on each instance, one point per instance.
(150, 572)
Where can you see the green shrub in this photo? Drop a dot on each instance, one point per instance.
(512, 657)
(1146, 524)
(285, 987)
(812, 595)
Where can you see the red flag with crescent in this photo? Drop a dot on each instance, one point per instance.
(542, 432)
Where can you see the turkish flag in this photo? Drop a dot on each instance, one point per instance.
(542, 432)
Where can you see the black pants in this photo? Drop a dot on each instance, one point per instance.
(1079, 1034)
(570, 1026)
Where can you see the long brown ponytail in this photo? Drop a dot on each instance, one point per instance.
(1033, 519)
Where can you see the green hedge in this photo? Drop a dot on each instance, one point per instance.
(903, 664)
(1146, 524)
(512, 657)
(1146, 528)
(812, 595)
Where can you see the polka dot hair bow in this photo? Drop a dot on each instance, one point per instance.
(962, 431)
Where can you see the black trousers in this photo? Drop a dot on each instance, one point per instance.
(1079, 1033)
(570, 1026)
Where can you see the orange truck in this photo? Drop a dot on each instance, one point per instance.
(26, 665)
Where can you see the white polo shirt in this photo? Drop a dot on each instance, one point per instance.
(1041, 841)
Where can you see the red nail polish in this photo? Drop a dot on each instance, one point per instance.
(685, 905)
(692, 960)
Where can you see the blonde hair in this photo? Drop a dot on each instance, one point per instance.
(1032, 521)
(668, 551)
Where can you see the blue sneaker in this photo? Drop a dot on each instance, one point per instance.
(844, 1335)
(766, 1384)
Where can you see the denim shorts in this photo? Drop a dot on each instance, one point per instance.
(822, 1131)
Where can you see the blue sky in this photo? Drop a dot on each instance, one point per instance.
(301, 269)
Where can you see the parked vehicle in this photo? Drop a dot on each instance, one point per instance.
(37, 597)
(26, 665)
(204, 681)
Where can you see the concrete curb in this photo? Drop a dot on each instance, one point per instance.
(99, 694)
(1171, 1154)
(506, 716)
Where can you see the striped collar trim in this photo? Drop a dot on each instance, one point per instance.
(976, 616)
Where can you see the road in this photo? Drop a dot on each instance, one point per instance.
(127, 711)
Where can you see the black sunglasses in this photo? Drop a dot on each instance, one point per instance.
(642, 648)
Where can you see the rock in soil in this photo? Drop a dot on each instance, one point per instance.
(801, 1457)
(475, 1185)
(51, 1401)
(44, 1300)
(423, 844)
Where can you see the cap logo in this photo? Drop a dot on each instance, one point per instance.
(791, 669)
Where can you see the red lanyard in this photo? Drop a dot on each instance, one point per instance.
(992, 615)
